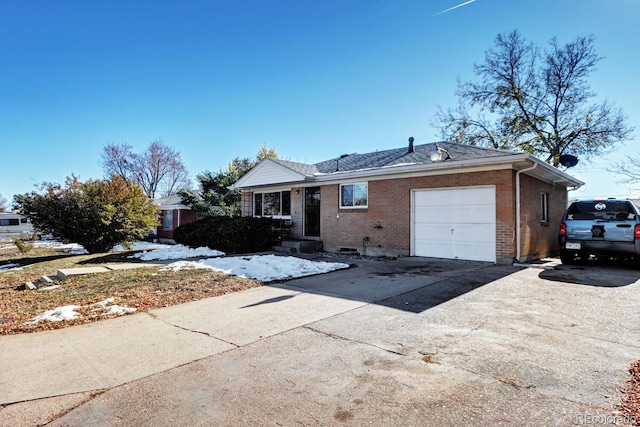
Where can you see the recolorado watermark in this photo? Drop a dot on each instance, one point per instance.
(594, 419)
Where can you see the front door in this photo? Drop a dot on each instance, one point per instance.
(312, 211)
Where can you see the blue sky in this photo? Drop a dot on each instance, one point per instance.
(313, 79)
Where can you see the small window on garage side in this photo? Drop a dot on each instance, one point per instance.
(354, 195)
(544, 207)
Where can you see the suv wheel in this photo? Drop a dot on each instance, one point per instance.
(567, 257)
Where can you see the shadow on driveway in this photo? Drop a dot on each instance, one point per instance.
(412, 284)
(608, 275)
(434, 294)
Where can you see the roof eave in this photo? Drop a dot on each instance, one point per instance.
(519, 161)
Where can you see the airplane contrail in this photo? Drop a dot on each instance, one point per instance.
(454, 7)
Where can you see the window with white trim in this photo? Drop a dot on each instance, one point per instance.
(544, 207)
(167, 220)
(274, 203)
(354, 195)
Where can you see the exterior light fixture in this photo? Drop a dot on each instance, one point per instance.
(439, 154)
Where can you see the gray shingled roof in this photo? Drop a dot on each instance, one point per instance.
(395, 157)
(379, 162)
(302, 168)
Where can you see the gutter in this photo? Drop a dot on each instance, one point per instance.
(518, 242)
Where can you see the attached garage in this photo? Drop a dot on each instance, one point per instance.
(455, 223)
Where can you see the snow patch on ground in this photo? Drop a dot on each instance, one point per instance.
(8, 267)
(176, 252)
(68, 312)
(265, 268)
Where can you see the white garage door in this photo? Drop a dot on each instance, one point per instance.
(458, 223)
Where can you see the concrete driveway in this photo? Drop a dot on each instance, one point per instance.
(414, 341)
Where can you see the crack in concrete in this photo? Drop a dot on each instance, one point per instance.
(153, 316)
(330, 335)
(590, 337)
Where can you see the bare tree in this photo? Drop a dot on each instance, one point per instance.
(3, 204)
(535, 101)
(158, 170)
(629, 169)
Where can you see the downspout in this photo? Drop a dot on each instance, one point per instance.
(518, 243)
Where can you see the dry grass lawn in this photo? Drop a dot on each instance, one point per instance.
(140, 288)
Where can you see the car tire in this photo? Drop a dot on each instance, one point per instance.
(567, 257)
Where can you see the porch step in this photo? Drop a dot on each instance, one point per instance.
(299, 246)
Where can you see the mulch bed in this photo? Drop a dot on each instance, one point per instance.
(629, 407)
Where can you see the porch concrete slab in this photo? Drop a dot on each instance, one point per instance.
(64, 273)
(95, 356)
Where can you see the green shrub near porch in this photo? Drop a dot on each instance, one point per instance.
(228, 234)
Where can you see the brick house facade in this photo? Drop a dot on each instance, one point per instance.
(172, 214)
(387, 224)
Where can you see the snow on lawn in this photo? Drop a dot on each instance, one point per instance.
(176, 252)
(7, 267)
(265, 268)
(68, 312)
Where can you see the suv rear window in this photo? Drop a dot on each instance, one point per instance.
(601, 209)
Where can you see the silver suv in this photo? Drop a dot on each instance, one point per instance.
(600, 227)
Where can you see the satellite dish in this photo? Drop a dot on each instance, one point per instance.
(568, 160)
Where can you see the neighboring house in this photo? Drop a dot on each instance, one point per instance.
(442, 200)
(172, 215)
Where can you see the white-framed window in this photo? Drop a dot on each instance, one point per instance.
(274, 203)
(167, 220)
(544, 207)
(354, 195)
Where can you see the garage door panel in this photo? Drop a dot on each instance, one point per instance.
(473, 233)
(457, 197)
(455, 223)
(432, 232)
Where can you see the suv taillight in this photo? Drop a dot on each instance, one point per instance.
(637, 233)
(563, 229)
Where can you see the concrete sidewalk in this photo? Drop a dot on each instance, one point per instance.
(407, 342)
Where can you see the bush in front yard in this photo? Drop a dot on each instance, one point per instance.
(228, 234)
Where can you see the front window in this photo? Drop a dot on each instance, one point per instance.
(276, 203)
(167, 220)
(354, 195)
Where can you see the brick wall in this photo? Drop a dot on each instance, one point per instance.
(184, 216)
(540, 239)
(247, 203)
(297, 212)
(387, 221)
